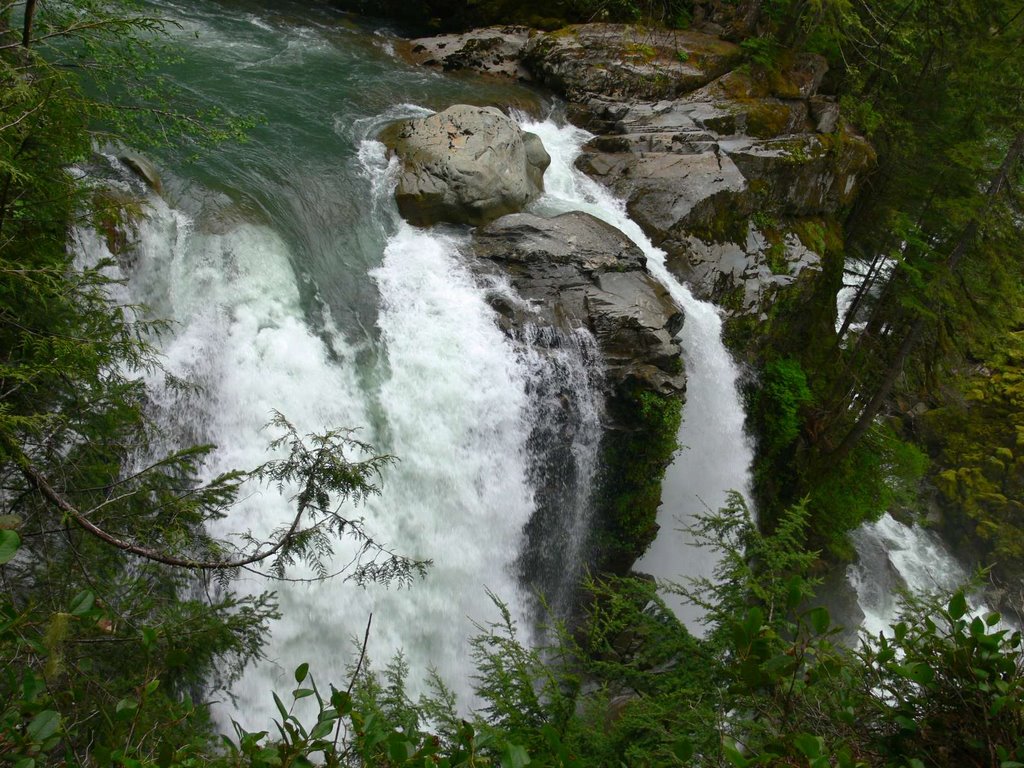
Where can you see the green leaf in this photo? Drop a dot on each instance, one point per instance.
(683, 750)
(25, 762)
(9, 543)
(126, 709)
(341, 701)
(514, 756)
(148, 637)
(43, 725)
(301, 672)
(280, 706)
(301, 693)
(905, 723)
(820, 620)
(399, 749)
(811, 746)
(321, 729)
(82, 602)
(732, 754)
(958, 606)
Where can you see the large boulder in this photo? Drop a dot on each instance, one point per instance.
(493, 51)
(577, 271)
(626, 61)
(575, 275)
(465, 165)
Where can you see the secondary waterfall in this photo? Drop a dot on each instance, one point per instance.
(715, 454)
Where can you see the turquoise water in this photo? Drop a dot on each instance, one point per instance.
(320, 82)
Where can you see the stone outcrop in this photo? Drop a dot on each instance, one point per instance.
(465, 165)
(622, 61)
(723, 167)
(576, 271)
(493, 51)
(724, 177)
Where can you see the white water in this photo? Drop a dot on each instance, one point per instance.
(715, 456)
(452, 405)
(456, 401)
(893, 557)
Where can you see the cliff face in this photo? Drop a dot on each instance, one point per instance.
(736, 173)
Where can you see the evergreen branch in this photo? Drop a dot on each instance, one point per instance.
(41, 484)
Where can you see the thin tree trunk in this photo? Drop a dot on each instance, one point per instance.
(30, 12)
(862, 290)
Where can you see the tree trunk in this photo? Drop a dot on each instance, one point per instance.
(892, 371)
(30, 12)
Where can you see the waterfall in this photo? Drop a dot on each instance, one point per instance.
(453, 404)
(893, 557)
(567, 392)
(715, 455)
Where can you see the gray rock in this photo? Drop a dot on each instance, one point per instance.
(465, 165)
(625, 61)
(825, 113)
(492, 50)
(741, 276)
(663, 188)
(144, 168)
(575, 271)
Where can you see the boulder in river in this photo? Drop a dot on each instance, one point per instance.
(577, 271)
(492, 50)
(465, 165)
(574, 272)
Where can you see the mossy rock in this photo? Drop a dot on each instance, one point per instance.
(634, 463)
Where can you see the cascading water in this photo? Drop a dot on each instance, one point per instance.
(715, 454)
(292, 285)
(893, 557)
(567, 379)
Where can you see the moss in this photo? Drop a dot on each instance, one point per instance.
(723, 219)
(979, 478)
(775, 258)
(766, 119)
(634, 463)
(116, 214)
(642, 51)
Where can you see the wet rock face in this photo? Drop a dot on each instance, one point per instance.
(697, 147)
(465, 165)
(576, 271)
(703, 173)
(574, 276)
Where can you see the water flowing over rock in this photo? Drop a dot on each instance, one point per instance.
(576, 271)
(465, 165)
(726, 178)
(574, 274)
(728, 169)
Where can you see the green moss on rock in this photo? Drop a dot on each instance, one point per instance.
(634, 465)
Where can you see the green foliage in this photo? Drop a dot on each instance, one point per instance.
(762, 51)
(635, 462)
(783, 393)
(976, 440)
(104, 545)
(881, 473)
